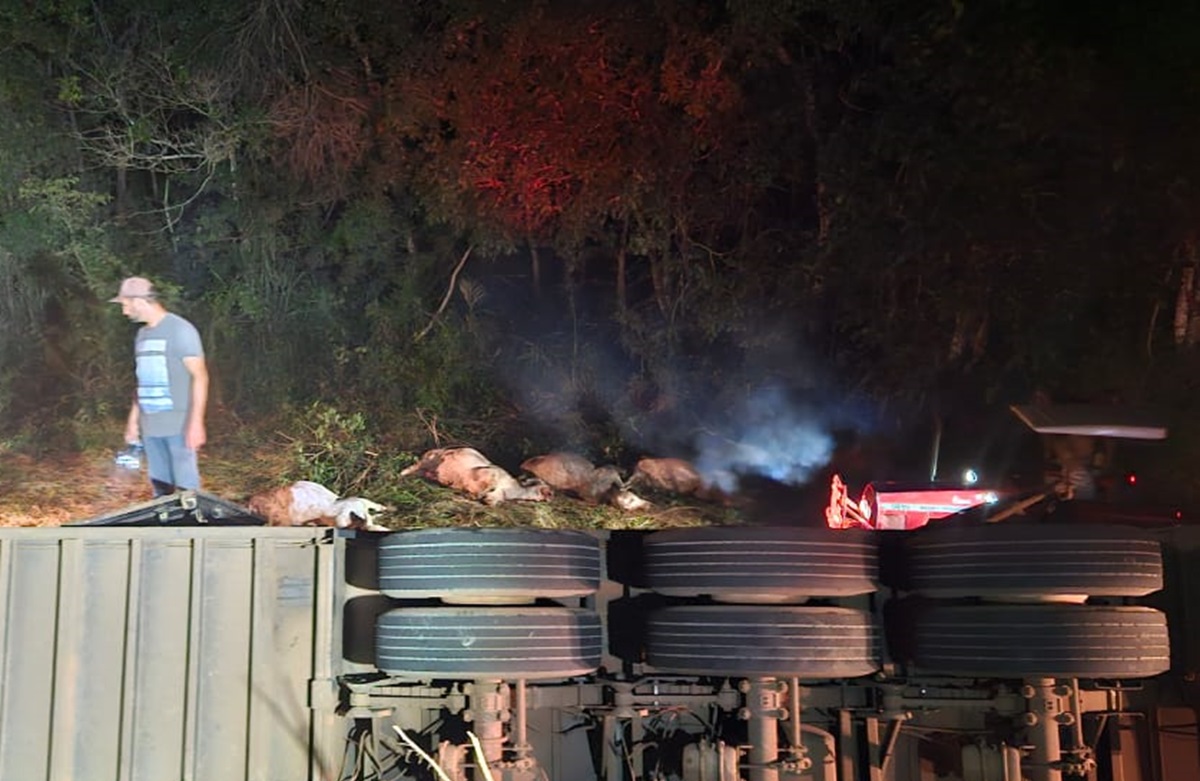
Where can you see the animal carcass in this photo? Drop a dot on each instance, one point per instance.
(356, 511)
(674, 476)
(466, 469)
(305, 503)
(574, 475)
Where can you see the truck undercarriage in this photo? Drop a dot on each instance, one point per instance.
(180, 638)
(1038, 651)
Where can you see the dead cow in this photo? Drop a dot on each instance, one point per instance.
(466, 469)
(305, 503)
(674, 476)
(574, 475)
(357, 512)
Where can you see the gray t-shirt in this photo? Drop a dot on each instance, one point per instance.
(164, 385)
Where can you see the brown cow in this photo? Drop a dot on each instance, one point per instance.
(574, 475)
(466, 469)
(674, 476)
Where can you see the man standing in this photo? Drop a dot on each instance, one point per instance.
(167, 415)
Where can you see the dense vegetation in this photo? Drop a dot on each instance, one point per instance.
(725, 229)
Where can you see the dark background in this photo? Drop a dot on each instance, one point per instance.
(754, 234)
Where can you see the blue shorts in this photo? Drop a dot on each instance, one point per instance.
(171, 465)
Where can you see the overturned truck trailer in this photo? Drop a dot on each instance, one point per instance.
(177, 642)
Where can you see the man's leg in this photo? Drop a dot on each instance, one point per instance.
(158, 465)
(185, 467)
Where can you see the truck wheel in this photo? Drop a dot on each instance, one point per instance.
(488, 566)
(1051, 641)
(1033, 561)
(463, 642)
(805, 642)
(762, 564)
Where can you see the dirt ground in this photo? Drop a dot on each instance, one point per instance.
(55, 488)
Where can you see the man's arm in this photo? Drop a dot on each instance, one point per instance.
(194, 434)
(132, 431)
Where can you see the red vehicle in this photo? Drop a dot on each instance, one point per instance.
(901, 506)
(1078, 442)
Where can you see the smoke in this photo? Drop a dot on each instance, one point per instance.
(752, 403)
(772, 430)
(767, 435)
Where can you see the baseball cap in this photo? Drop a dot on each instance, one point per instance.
(134, 287)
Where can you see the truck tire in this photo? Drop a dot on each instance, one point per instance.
(1051, 641)
(761, 564)
(1033, 561)
(489, 566)
(469, 643)
(814, 643)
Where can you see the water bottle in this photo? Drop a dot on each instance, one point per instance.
(131, 457)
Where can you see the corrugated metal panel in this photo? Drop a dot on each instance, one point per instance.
(142, 654)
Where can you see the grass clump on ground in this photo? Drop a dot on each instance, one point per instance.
(49, 486)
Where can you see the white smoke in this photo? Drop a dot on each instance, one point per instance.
(769, 436)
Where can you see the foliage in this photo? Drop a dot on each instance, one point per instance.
(335, 448)
(668, 204)
(57, 261)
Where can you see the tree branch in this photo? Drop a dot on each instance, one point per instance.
(445, 299)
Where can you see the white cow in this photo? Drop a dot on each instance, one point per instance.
(305, 503)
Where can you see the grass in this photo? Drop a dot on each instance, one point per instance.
(422, 504)
(42, 487)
